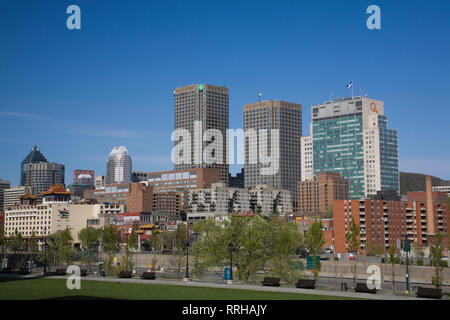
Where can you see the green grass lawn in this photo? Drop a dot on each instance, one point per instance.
(24, 289)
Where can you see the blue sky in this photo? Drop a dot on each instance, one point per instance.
(78, 93)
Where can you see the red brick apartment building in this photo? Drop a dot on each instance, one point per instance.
(137, 197)
(383, 222)
(315, 196)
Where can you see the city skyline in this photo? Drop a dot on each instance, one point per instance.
(76, 113)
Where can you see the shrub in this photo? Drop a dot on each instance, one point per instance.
(420, 262)
(336, 258)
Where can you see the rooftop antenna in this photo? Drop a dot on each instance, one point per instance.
(259, 97)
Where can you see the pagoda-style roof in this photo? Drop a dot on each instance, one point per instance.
(56, 189)
(28, 196)
(148, 226)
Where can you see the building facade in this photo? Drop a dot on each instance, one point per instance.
(35, 156)
(135, 197)
(238, 181)
(200, 107)
(263, 117)
(119, 166)
(55, 213)
(84, 177)
(12, 195)
(307, 159)
(178, 180)
(267, 201)
(40, 176)
(315, 196)
(351, 137)
(442, 189)
(4, 184)
(100, 182)
(221, 200)
(382, 223)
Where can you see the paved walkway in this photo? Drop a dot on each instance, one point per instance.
(241, 286)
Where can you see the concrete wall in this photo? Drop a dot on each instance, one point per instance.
(343, 269)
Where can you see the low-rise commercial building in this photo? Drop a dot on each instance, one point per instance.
(135, 197)
(445, 189)
(178, 180)
(56, 213)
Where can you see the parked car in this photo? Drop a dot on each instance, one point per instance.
(352, 256)
(328, 250)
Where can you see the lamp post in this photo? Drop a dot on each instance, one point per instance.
(186, 277)
(230, 248)
(407, 248)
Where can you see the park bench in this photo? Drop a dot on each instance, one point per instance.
(362, 287)
(149, 275)
(305, 283)
(6, 270)
(24, 271)
(60, 272)
(272, 282)
(429, 293)
(125, 274)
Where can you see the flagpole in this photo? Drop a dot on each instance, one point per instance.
(352, 89)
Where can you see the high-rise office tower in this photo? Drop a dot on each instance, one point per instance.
(119, 166)
(351, 137)
(287, 118)
(40, 176)
(4, 184)
(35, 156)
(208, 107)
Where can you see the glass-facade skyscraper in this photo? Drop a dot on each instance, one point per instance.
(118, 166)
(351, 137)
(35, 156)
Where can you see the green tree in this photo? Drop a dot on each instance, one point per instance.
(314, 241)
(89, 238)
(392, 260)
(64, 246)
(16, 242)
(32, 247)
(418, 251)
(353, 244)
(256, 242)
(436, 254)
(286, 241)
(329, 212)
(109, 240)
(130, 249)
(2, 243)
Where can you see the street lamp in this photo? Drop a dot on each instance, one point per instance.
(230, 248)
(186, 277)
(407, 248)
